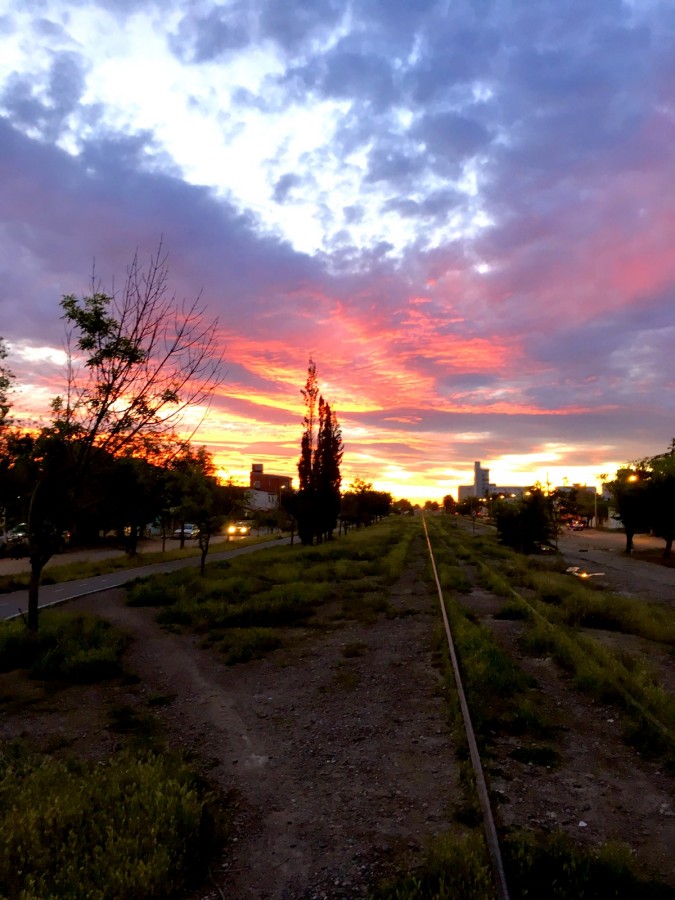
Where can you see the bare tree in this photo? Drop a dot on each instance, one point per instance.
(6, 378)
(137, 361)
(149, 358)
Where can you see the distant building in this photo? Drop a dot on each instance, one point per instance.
(482, 487)
(265, 489)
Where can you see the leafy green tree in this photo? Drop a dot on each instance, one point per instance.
(328, 479)
(362, 505)
(631, 493)
(138, 360)
(199, 498)
(529, 523)
(449, 505)
(661, 496)
(133, 497)
(402, 507)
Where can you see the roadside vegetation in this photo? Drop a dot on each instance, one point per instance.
(249, 605)
(253, 605)
(149, 826)
(58, 573)
(74, 648)
(559, 613)
(536, 866)
(137, 821)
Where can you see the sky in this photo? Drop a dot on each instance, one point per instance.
(463, 211)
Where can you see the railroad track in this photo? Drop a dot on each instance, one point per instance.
(489, 826)
(626, 692)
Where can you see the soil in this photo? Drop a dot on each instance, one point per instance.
(335, 751)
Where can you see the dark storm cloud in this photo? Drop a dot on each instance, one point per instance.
(47, 28)
(558, 117)
(205, 36)
(614, 333)
(351, 71)
(60, 212)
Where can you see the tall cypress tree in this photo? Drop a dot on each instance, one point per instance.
(327, 459)
(318, 498)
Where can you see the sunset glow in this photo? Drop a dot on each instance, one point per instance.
(464, 216)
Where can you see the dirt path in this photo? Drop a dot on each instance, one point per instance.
(337, 752)
(337, 748)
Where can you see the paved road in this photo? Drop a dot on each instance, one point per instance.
(603, 551)
(16, 603)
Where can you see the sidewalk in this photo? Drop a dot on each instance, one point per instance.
(10, 566)
(15, 603)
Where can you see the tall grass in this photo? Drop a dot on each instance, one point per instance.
(281, 588)
(137, 827)
(453, 869)
(74, 647)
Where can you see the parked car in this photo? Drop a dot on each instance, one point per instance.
(188, 531)
(239, 529)
(18, 534)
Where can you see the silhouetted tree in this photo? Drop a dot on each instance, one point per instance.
(317, 502)
(661, 496)
(527, 524)
(449, 505)
(146, 360)
(631, 499)
(6, 379)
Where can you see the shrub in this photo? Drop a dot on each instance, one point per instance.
(453, 868)
(136, 827)
(552, 866)
(75, 647)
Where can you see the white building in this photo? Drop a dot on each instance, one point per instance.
(482, 487)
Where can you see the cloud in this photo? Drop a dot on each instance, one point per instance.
(482, 195)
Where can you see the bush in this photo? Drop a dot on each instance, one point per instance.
(74, 647)
(454, 868)
(552, 866)
(136, 827)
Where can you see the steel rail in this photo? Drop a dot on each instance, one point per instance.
(481, 786)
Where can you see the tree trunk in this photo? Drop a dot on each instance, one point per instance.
(668, 548)
(204, 547)
(33, 595)
(629, 540)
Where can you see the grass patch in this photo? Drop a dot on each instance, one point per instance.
(137, 826)
(537, 866)
(243, 644)
(78, 648)
(126, 719)
(605, 675)
(552, 866)
(483, 662)
(453, 578)
(282, 587)
(453, 868)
